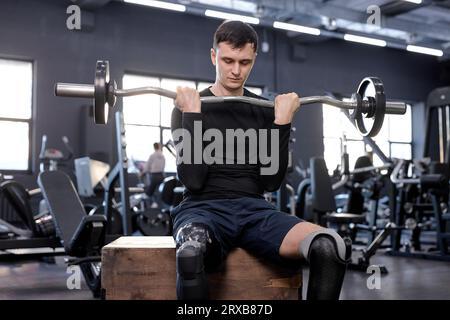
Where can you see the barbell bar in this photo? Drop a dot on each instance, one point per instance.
(368, 102)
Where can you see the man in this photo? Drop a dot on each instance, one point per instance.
(155, 168)
(223, 205)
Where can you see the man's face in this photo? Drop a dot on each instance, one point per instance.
(233, 65)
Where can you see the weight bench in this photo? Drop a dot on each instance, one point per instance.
(144, 268)
(82, 235)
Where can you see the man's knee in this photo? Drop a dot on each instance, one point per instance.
(192, 241)
(189, 259)
(196, 247)
(200, 236)
(194, 231)
(328, 255)
(290, 243)
(327, 244)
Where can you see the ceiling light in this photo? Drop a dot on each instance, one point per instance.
(424, 50)
(159, 4)
(366, 40)
(296, 28)
(414, 1)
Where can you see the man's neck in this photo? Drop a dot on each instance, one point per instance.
(218, 90)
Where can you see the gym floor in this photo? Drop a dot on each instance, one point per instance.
(408, 279)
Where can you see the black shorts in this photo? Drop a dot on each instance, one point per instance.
(249, 223)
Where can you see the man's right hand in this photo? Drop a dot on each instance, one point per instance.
(188, 100)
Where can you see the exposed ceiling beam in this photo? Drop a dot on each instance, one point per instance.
(395, 31)
(394, 8)
(433, 31)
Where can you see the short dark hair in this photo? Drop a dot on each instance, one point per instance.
(156, 145)
(237, 33)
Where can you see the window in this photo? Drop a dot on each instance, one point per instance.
(147, 117)
(394, 139)
(16, 90)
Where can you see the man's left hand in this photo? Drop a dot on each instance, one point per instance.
(285, 107)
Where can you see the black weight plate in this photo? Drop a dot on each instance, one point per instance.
(116, 226)
(152, 222)
(101, 84)
(372, 87)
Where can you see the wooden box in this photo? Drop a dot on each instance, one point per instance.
(144, 268)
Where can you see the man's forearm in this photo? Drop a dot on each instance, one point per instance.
(191, 174)
(273, 182)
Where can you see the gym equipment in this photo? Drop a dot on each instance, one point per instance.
(365, 184)
(285, 197)
(323, 202)
(50, 157)
(418, 198)
(363, 261)
(324, 206)
(368, 102)
(153, 222)
(170, 146)
(124, 218)
(89, 173)
(127, 214)
(82, 235)
(157, 221)
(20, 228)
(303, 205)
(437, 132)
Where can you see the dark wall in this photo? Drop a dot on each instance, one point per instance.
(151, 41)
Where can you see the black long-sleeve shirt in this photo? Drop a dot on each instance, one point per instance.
(225, 181)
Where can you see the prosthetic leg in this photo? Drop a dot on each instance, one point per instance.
(196, 248)
(328, 255)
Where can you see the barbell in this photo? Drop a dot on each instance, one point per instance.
(368, 104)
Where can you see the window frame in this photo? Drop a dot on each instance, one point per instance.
(32, 145)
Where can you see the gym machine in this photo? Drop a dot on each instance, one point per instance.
(438, 112)
(24, 233)
(409, 214)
